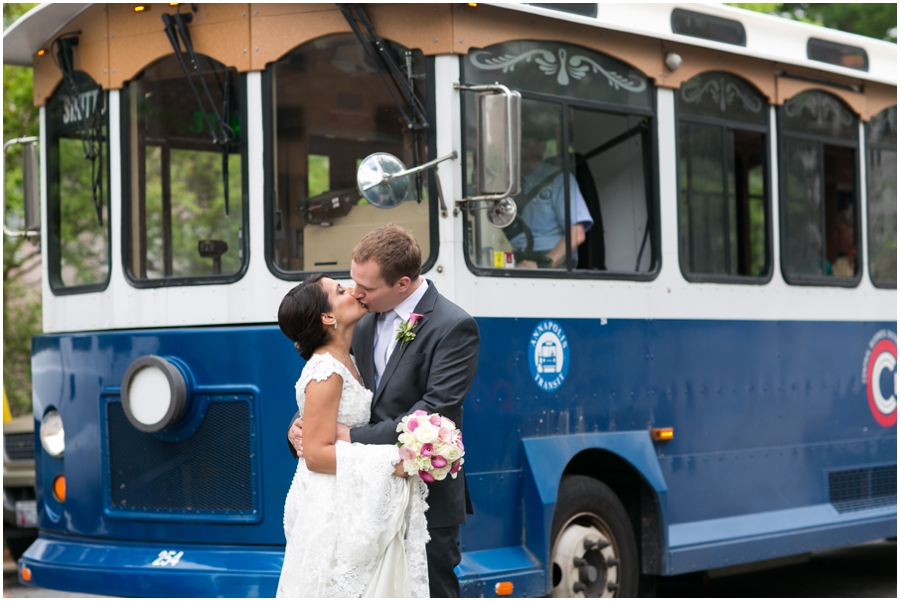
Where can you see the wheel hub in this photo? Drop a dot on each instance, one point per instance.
(584, 564)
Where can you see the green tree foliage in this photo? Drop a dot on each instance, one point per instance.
(872, 20)
(21, 306)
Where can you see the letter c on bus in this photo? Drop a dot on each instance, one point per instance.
(883, 357)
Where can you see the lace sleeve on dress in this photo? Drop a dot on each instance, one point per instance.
(318, 368)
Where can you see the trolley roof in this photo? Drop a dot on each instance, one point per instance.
(767, 37)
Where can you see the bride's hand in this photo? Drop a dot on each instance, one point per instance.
(399, 471)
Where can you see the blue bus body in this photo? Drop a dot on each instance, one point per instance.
(764, 414)
(707, 379)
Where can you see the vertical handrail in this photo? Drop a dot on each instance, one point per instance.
(6, 145)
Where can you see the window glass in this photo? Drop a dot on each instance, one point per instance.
(722, 199)
(331, 110)
(598, 191)
(722, 96)
(559, 69)
(819, 192)
(698, 25)
(187, 191)
(78, 190)
(842, 55)
(815, 112)
(881, 164)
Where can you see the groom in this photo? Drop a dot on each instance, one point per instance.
(432, 372)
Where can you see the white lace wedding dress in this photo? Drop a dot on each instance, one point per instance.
(362, 531)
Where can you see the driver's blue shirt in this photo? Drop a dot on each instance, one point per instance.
(545, 213)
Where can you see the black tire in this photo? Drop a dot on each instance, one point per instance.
(605, 554)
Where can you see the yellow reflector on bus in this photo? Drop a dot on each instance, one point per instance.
(503, 589)
(662, 434)
(140, 8)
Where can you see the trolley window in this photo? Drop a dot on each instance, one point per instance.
(842, 55)
(330, 110)
(819, 191)
(723, 224)
(707, 27)
(186, 216)
(585, 205)
(78, 187)
(881, 166)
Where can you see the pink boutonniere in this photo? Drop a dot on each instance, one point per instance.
(405, 333)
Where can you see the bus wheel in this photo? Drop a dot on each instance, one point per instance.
(594, 552)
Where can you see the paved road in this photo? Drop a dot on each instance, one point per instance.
(868, 570)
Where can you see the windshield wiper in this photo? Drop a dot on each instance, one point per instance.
(414, 117)
(90, 131)
(222, 135)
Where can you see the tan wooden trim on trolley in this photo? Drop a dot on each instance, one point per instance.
(116, 43)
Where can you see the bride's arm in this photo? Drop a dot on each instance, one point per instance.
(320, 423)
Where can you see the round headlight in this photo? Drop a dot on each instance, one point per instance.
(154, 393)
(53, 435)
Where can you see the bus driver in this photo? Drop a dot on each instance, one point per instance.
(542, 201)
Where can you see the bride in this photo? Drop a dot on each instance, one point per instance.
(355, 525)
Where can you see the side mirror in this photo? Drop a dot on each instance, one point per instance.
(384, 181)
(498, 130)
(30, 184)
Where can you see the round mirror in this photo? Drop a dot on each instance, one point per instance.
(370, 178)
(502, 213)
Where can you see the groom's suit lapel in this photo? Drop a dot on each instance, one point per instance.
(424, 307)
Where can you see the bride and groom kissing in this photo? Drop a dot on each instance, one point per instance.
(355, 524)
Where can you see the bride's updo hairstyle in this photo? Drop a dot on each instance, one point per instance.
(300, 315)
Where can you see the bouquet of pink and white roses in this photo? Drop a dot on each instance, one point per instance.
(430, 446)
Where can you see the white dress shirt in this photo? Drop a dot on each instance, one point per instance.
(400, 314)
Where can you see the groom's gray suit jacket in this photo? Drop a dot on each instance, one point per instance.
(433, 372)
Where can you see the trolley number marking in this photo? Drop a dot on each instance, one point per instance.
(167, 558)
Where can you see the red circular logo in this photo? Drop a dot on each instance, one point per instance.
(882, 358)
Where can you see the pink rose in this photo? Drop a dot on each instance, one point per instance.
(427, 450)
(425, 476)
(445, 435)
(413, 318)
(412, 424)
(435, 420)
(455, 467)
(420, 412)
(438, 462)
(406, 453)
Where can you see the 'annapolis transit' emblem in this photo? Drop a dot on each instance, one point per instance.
(880, 377)
(549, 352)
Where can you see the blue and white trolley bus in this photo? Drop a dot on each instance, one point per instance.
(676, 226)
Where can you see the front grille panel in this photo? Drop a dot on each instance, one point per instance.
(864, 488)
(210, 471)
(19, 447)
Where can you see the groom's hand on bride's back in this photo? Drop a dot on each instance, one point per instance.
(295, 436)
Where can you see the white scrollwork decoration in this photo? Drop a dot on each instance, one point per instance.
(723, 93)
(565, 67)
(819, 106)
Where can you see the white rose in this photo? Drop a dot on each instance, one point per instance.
(451, 452)
(426, 433)
(408, 439)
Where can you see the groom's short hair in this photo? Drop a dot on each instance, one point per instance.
(394, 249)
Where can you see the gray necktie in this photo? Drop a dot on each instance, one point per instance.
(383, 343)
